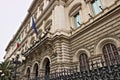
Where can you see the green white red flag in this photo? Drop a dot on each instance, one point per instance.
(18, 41)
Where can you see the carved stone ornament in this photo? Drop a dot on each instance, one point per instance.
(48, 25)
(75, 8)
(40, 33)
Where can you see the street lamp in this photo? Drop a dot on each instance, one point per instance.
(16, 60)
(0, 73)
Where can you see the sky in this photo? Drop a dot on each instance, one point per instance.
(12, 13)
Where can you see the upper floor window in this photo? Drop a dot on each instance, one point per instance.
(75, 15)
(96, 4)
(77, 20)
(110, 53)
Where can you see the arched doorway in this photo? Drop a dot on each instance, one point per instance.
(35, 71)
(84, 62)
(110, 53)
(46, 67)
(28, 74)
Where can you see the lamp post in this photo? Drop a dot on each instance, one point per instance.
(16, 60)
(0, 73)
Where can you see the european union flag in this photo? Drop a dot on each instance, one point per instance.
(34, 26)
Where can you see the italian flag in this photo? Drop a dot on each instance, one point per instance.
(18, 41)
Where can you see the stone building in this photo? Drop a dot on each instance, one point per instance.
(70, 33)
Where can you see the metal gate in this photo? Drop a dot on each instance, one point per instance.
(99, 70)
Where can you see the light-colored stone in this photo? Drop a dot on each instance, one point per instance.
(63, 44)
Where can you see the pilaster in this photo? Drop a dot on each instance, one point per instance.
(59, 18)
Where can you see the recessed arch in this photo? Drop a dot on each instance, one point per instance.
(45, 66)
(79, 52)
(110, 53)
(27, 72)
(35, 70)
(36, 62)
(102, 42)
(43, 60)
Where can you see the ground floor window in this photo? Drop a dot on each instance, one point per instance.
(84, 63)
(110, 53)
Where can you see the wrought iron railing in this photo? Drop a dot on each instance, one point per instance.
(97, 71)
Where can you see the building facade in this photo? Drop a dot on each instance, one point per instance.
(70, 33)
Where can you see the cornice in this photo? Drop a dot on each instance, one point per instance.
(33, 5)
(105, 14)
(46, 12)
(32, 8)
(19, 30)
(68, 3)
(35, 46)
(59, 37)
(28, 16)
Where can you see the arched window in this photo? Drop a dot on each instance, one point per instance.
(84, 62)
(46, 67)
(28, 74)
(36, 71)
(110, 53)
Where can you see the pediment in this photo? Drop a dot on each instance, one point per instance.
(74, 8)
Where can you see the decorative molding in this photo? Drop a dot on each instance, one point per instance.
(68, 3)
(48, 25)
(87, 1)
(75, 9)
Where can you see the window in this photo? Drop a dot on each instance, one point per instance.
(77, 20)
(36, 71)
(47, 68)
(28, 73)
(110, 53)
(84, 63)
(96, 4)
(75, 15)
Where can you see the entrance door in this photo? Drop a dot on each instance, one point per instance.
(47, 69)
